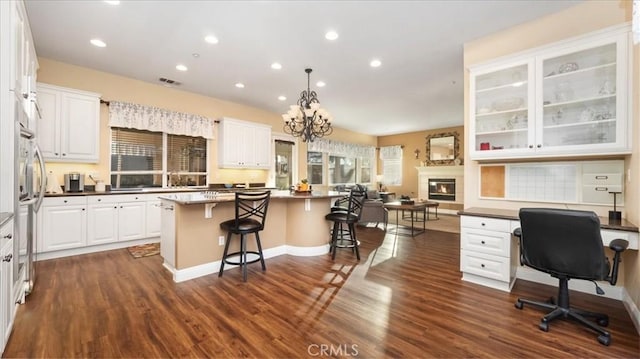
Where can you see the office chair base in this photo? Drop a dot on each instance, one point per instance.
(579, 315)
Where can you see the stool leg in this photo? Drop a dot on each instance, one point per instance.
(352, 233)
(224, 255)
(334, 239)
(243, 256)
(264, 267)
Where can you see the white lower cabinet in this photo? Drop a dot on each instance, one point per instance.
(7, 305)
(153, 221)
(64, 223)
(489, 252)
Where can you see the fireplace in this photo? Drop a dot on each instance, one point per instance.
(443, 189)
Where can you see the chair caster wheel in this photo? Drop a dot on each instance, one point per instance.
(603, 322)
(519, 304)
(604, 340)
(544, 326)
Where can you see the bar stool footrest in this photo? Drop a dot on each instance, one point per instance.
(226, 260)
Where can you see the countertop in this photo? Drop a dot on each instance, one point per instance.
(218, 197)
(5, 217)
(154, 190)
(508, 214)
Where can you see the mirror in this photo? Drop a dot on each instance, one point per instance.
(443, 149)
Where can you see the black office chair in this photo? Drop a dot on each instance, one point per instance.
(251, 213)
(348, 212)
(567, 245)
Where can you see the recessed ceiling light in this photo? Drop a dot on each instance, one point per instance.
(320, 84)
(112, 2)
(375, 63)
(331, 35)
(98, 43)
(181, 67)
(196, 55)
(240, 85)
(282, 98)
(276, 66)
(211, 39)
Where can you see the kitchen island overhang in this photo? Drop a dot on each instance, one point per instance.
(189, 240)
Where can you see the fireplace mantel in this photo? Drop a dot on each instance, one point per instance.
(441, 170)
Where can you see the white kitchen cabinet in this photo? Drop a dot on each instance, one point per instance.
(488, 252)
(154, 215)
(70, 124)
(243, 144)
(168, 234)
(113, 218)
(569, 98)
(64, 223)
(7, 305)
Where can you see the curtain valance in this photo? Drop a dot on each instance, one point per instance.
(140, 117)
(341, 148)
(391, 152)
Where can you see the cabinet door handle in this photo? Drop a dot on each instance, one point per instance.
(602, 188)
(602, 177)
(482, 265)
(99, 199)
(65, 201)
(482, 242)
(56, 153)
(530, 146)
(116, 207)
(483, 224)
(83, 209)
(7, 258)
(64, 154)
(8, 236)
(539, 146)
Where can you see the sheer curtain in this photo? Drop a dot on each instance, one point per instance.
(140, 117)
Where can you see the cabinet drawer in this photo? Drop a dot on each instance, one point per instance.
(482, 241)
(491, 224)
(609, 235)
(62, 201)
(117, 198)
(602, 179)
(600, 194)
(485, 265)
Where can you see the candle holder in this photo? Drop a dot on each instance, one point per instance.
(615, 215)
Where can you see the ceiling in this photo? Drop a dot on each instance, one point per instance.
(419, 85)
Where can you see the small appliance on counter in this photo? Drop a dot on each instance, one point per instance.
(52, 183)
(74, 182)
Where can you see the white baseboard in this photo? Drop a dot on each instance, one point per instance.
(610, 291)
(632, 309)
(181, 275)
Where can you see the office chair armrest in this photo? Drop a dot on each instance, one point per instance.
(618, 245)
(517, 232)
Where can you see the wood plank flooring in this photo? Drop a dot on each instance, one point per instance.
(403, 299)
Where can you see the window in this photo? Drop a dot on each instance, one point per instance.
(315, 168)
(342, 170)
(138, 160)
(391, 157)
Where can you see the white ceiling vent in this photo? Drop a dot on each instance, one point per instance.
(169, 81)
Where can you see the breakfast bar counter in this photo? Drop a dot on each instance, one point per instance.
(190, 239)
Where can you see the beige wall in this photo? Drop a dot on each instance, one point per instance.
(412, 141)
(580, 19)
(118, 88)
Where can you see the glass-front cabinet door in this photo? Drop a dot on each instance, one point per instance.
(566, 99)
(580, 102)
(502, 105)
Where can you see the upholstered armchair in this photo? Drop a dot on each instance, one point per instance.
(373, 210)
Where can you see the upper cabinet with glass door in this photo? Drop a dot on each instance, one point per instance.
(579, 105)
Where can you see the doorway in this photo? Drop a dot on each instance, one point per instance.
(284, 162)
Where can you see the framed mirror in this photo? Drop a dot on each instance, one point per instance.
(443, 149)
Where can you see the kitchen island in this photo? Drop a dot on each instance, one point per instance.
(190, 235)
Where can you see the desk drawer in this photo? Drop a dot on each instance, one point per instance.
(491, 224)
(489, 242)
(485, 265)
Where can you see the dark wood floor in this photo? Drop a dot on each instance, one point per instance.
(404, 299)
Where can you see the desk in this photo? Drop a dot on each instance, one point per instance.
(412, 208)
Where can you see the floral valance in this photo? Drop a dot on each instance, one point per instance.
(391, 152)
(341, 148)
(140, 117)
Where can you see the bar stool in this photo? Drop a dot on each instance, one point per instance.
(340, 239)
(251, 212)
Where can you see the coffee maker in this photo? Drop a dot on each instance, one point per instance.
(73, 182)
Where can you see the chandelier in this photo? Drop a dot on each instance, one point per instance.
(307, 119)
